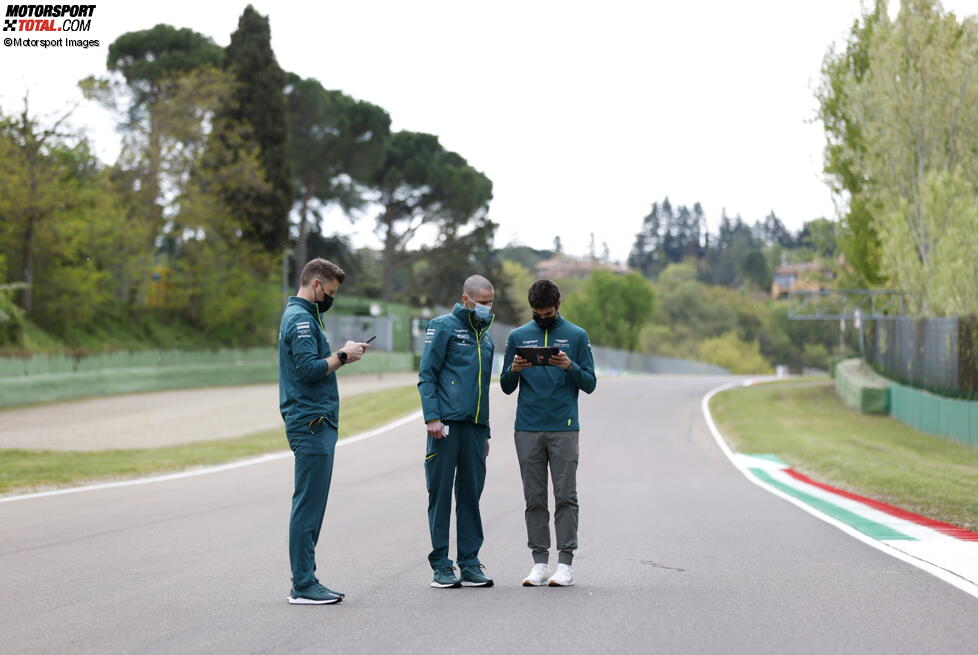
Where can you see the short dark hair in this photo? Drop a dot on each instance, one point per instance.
(321, 269)
(543, 294)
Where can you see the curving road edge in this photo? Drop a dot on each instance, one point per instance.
(948, 569)
(215, 468)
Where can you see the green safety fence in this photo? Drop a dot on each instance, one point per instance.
(860, 388)
(46, 378)
(945, 417)
(834, 361)
(62, 364)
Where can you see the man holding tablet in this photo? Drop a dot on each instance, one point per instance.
(550, 360)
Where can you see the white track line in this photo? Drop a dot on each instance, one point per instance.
(945, 575)
(205, 470)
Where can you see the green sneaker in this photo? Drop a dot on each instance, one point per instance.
(335, 593)
(472, 576)
(315, 594)
(445, 578)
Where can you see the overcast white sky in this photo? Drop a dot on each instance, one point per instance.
(582, 114)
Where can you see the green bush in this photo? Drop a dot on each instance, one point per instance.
(815, 355)
(736, 356)
(613, 308)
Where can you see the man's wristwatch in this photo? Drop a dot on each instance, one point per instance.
(343, 356)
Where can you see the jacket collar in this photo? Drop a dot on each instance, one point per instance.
(305, 304)
(468, 317)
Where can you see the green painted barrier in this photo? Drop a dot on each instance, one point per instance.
(63, 364)
(938, 415)
(833, 363)
(860, 388)
(47, 378)
(956, 420)
(974, 424)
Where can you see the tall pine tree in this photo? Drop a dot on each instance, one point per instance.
(646, 254)
(259, 106)
(146, 68)
(336, 144)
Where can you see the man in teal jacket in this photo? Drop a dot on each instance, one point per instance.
(547, 427)
(453, 381)
(310, 405)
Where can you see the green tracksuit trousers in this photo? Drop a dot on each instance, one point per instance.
(313, 474)
(456, 462)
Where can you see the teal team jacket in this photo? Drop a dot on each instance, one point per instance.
(548, 395)
(306, 389)
(456, 366)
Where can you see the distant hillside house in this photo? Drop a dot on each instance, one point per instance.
(806, 276)
(572, 267)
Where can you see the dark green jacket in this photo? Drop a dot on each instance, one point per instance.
(548, 395)
(305, 388)
(456, 366)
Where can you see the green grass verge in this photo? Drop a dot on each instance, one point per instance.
(805, 424)
(26, 470)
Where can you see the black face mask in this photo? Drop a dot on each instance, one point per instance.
(545, 323)
(325, 303)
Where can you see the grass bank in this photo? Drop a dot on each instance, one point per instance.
(28, 470)
(805, 424)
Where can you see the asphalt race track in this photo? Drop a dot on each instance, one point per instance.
(679, 554)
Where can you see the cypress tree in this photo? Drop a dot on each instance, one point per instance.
(259, 105)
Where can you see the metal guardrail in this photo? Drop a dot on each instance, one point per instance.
(845, 304)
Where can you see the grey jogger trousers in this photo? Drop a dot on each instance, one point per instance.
(558, 450)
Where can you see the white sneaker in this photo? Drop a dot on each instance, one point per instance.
(538, 576)
(564, 577)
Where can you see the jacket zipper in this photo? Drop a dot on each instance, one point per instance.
(478, 347)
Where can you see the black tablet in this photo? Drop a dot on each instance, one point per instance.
(537, 355)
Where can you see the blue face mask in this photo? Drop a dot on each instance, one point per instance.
(483, 311)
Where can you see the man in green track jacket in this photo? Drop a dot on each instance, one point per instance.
(547, 428)
(310, 406)
(453, 380)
